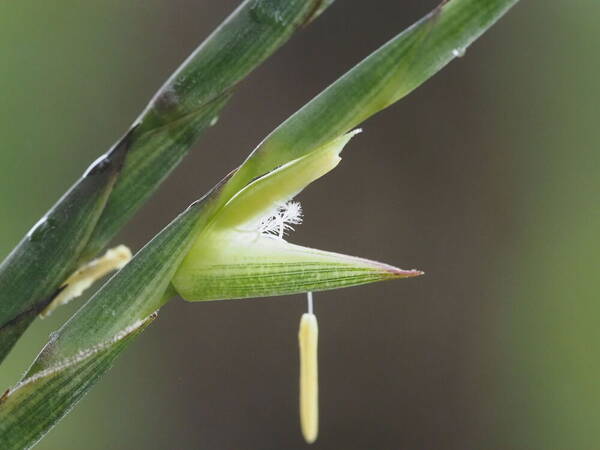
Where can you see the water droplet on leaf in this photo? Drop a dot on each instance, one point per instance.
(459, 52)
(41, 229)
(265, 12)
(97, 166)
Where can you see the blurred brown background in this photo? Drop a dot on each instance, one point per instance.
(486, 177)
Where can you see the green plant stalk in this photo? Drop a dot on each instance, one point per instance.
(67, 367)
(83, 222)
(26, 274)
(143, 285)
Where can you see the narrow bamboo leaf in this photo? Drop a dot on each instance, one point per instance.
(33, 272)
(90, 215)
(381, 79)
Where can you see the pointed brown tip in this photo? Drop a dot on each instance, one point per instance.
(400, 273)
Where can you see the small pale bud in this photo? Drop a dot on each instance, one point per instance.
(86, 275)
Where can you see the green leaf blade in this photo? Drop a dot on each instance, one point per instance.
(29, 410)
(131, 295)
(84, 348)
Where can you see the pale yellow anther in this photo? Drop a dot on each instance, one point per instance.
(308, 337)
(86, 275)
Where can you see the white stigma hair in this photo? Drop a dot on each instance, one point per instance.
(280, 221)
